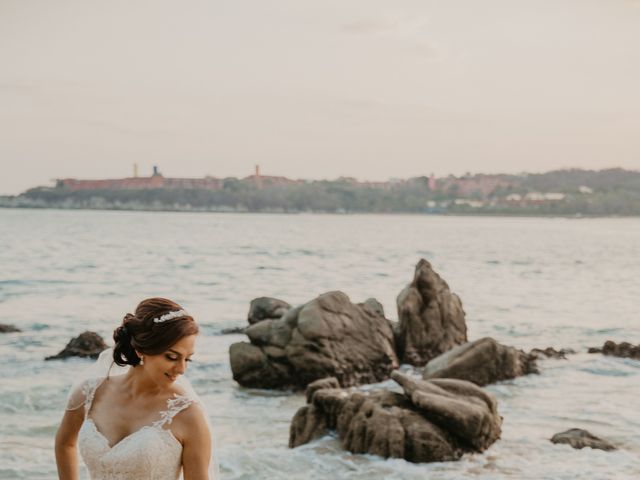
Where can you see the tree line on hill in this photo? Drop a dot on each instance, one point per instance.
(584, 192)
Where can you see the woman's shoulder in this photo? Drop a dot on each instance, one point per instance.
(189, 416)
(83, 392)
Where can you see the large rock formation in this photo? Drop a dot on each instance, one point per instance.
(431, 318)
(579, 438)
(87, 344)
(326, 337)
(623, 349)
(482, 362)
(263, 308)
(432, 421)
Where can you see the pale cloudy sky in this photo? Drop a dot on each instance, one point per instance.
(316, 89)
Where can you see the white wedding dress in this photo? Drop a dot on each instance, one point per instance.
(150, 453)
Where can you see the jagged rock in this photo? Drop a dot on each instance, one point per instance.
(4, 328)
(232, 330)
(326, 337)
(87, 344)
(623, 349)
(482, 362)
(579, 438)
(432, 421)
(431, 317)
(551, 352)
(263, 308)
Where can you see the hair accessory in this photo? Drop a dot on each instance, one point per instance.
(170, 316)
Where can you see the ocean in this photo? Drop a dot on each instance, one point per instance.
(527, 282)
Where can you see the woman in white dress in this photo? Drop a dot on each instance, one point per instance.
(138, 419)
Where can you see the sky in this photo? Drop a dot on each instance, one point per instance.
(316, 89)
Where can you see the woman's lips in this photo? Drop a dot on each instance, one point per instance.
(173, 378)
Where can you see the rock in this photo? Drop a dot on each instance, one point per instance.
(266, 307)
(431, 318)
(482, 362)
(232, 330)
(4, 328)
(579, 438)
(252, 367)
(323, 383)
(550, 352)
(326, 337)
(87, 344)
(432, 421)
(374, 305)
(624, 349)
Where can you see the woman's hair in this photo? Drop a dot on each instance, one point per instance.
(139, 331)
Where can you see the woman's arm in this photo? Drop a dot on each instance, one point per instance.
(194, 433)
(66, 444)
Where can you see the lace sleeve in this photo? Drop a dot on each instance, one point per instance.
(174, 406)
(82, 395)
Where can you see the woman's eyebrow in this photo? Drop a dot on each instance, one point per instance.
(178, 353)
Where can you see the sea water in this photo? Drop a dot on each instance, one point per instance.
(527, 282)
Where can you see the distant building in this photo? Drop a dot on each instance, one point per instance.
(140, 183)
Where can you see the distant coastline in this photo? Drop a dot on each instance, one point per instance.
(562, 193)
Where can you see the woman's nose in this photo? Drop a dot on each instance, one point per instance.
(181, 366)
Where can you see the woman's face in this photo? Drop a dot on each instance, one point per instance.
(169, 365)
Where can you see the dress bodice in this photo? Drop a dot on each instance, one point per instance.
(150, 453)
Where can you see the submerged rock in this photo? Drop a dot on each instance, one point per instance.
(232, 330)
(87, 344)
(551, 352)
(326, 337)
(431, 317)
(482, 362)
(432, 421)
(579, 438)
(266, 307)
(5, 328)
(623, 349)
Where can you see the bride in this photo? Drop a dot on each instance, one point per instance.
(139, 419)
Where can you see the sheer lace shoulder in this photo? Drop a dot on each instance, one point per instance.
(82, 395)
(174, 406)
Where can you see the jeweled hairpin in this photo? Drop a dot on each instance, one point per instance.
(170, 316)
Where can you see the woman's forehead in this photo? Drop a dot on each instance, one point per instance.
(184, 346)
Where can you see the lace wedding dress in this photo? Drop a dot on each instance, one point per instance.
(150, 453)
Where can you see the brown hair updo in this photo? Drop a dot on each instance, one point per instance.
(139, 331)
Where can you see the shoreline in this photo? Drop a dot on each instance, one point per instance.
(576, 216)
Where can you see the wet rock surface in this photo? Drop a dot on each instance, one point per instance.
(623, 349)
(431, 318)
(326, 337)
(481, 362)
(432, 421)
(5, 328)
(579, 438)
(87, 344)
(263, 308)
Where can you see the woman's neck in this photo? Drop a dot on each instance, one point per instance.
(138, 384)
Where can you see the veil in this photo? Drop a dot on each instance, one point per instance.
(104, 367)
